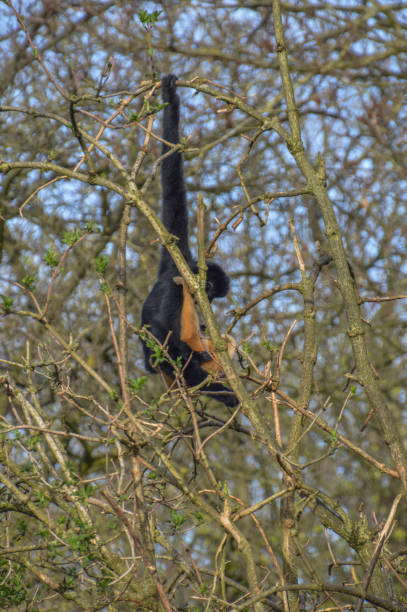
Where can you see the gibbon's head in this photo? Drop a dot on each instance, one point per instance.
(217, 282)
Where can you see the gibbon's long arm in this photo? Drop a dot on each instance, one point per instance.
(175, 212)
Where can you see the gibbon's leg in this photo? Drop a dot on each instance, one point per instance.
(189, 319)
(190, 332)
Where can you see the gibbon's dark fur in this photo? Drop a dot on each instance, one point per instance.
(163, 309)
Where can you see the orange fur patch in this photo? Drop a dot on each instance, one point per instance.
(190, 331)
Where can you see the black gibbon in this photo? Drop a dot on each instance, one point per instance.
(169, 310)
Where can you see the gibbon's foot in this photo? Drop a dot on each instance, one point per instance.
(229, 399)
(202, 356)
(221, 394)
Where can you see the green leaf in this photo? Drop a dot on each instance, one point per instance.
(85, 492)
(32, 442)
(43, 500)
(268, 345)
(51, 258)
(105, 288)
(101, 264)
(148, 19)
(29, 281)
(136, 384)
(334, 436)
(246, 348)
(91, 227)
(177, 519)
(7, 303)
(70, 237)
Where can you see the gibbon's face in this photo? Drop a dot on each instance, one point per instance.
(217, 282)
(210, 290)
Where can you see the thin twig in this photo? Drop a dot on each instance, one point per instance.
(379, 545)
(149, 566)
